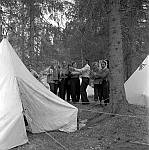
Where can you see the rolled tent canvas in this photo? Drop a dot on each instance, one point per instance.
(21, 93)
(137, 86)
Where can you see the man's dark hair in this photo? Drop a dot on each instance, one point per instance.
(87, 60)
(73, 63)
(69, 65)
(52, 66)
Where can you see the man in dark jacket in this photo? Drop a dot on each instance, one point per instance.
(75, 84)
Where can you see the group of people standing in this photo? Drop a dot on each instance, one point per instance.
(67, 79)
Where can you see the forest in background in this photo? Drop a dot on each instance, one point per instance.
(43, 31)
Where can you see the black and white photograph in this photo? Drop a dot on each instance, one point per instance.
(74, 74)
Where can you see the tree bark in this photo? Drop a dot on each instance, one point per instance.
(117, 93)
(23, 36)
(1, 36)
(31, 39)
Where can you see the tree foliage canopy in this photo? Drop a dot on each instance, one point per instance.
(43, 30)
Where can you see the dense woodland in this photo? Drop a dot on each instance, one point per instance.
(42, 31)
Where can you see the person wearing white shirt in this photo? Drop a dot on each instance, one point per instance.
(85, 71)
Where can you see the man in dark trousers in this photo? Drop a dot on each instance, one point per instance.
(75, 84)
(85, 71)
(68, 82)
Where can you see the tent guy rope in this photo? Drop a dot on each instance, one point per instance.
(101, 112)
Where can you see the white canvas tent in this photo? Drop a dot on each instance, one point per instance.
(43, 109)
(137, 86)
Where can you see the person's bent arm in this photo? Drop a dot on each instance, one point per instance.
(82, 69)
(103, 74)
(75, 73)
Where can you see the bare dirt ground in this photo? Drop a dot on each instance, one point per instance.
(114, 133)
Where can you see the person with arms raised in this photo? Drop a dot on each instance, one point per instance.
(85, 72)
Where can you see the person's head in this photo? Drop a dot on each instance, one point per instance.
(52, 67)
(103, 64)
(69, 65)
(55, 63)
(95, 65)
(86, 61)
(74, 64)
(64, 64)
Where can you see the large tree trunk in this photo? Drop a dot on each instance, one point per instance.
(117, 93)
